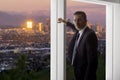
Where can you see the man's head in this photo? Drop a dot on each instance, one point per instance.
(80, 20)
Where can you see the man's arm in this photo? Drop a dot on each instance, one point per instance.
(92, 56)
(69, 24)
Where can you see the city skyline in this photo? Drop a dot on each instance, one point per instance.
(30, 36)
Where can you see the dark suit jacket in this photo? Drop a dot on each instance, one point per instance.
(86, 59)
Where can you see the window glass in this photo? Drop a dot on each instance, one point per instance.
(24, 40)
(96, 20)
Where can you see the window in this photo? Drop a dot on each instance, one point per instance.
(25, 40)
(96, 16)
(109, 48)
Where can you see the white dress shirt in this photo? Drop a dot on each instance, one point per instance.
(76, 43)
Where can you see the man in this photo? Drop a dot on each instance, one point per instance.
(82, 51)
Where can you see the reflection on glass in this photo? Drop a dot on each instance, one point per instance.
(24, 40)
(96, 20)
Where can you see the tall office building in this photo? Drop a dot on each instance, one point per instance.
(47, 26)
(99, 28)
(89, 25)
(40, 27)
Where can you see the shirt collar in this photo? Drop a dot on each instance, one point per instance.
(81, 31)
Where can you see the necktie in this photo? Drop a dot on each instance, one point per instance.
(75, 46)
(77, 36)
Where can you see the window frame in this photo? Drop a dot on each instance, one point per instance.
(58, 62)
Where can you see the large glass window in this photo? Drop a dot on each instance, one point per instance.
(96, 20)
(25, 40)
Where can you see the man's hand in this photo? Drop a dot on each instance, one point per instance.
(60, 20)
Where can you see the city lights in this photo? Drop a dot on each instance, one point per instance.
(29, 24)
(40, 26)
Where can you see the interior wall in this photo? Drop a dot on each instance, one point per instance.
(116, 40)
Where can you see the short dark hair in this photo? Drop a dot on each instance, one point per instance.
(81, 13)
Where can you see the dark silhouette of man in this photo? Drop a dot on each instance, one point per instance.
(82, 49)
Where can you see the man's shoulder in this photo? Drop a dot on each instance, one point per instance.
(89, 32)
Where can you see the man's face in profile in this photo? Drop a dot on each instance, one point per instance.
(79, 21)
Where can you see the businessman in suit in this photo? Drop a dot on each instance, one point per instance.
(82, 49)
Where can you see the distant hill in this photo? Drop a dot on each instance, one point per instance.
(7, 26)
(9, 19)
(18, 19)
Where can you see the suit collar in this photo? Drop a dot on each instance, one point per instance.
(86, 29)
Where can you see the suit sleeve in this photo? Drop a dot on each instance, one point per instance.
(92, 56)
(69, 24)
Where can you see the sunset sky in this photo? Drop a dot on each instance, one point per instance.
(24, 5)
(32, 5)
(93, 11)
